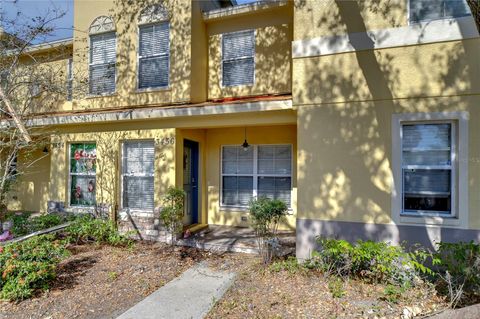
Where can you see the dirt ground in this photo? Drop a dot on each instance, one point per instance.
(262, 293)
(103, 282)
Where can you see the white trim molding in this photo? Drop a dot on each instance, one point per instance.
(460, 213)
(420, 33)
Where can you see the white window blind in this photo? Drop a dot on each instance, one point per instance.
(428, 168)
(261, 170)
(102, 63)
(154, 56)
(138, 162)
(424, 10)
(238, 58)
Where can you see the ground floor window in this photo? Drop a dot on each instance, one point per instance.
(260, 170)
(138, 158)
(83, 157)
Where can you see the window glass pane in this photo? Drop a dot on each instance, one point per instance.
(275, 188)
(238, 72)
(102, 78)
(423, 10)
(139, 157)
(426, 137)
(82, 190)
(138, 192)
(236, 160)
(426, 158)
(426, 181)
(238, 45)
(237, 190)
(154, 55)
(83, 164)
(153, 72)
(456, 8)
(427, 203)
(103, 48)
(274, 159)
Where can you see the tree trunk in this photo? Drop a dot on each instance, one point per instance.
(475, 7)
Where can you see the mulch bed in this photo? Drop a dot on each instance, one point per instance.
(261, 293)
(103, 282)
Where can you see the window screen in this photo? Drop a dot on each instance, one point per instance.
(138, 174)
(427, 168)
(154, 56)
(424, 10)
(83, 158)
(102, 63)
(238, 58)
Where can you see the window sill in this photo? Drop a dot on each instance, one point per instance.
(153, 90)
(244, 209)
(94, 96)
(430, 220)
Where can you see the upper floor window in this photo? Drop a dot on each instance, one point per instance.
(154, 56)
(102, 56)
(154, 47)
(69, 79)
(424, 10)
(238, 58)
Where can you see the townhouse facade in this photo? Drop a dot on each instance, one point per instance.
(360, 115)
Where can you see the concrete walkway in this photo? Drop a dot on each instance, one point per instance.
(189, 296)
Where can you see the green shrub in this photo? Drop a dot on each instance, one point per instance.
(29, 266)
(87, 229)
(335, 286)
(373, 261)
(24, 224)
(266, 215)
(458, 266)
(172, 211)
(290, 265)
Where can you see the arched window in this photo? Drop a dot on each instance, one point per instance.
(103, 56)
(154, 47)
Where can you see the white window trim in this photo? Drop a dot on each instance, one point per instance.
(139, 57)
(122, 175)
(240, 58)
(459, 216)
(90, 64)
(69, 192)
(254, 175)
(411, 22)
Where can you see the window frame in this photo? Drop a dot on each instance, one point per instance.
(459, 201)
(254, 31)
(90, 64)
(122, 175)
(453, 167)
(414, 22)
(139, 57)
(69, 198)
(255, 175)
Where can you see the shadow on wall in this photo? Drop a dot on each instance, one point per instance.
(344, 165)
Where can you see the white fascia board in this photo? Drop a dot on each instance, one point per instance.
(419, 33)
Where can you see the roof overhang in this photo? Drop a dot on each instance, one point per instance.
(243, 9)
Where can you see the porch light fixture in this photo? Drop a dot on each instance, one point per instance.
(245, 144)
(45, 150)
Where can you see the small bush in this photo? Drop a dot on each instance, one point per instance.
(87, 229)
(24, 224)
(335, 286)
(290, 265)
(29, 266)
(266, 215)
(173, 210)
(458, 268)
(374, 261)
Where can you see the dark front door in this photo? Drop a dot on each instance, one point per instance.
(190, 181)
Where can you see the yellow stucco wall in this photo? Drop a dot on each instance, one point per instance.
(125, 16)
(273, 36)
(216, 138)
(314, 18)
(109, 165)
(345, 157)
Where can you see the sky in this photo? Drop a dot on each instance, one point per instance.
(22, 10)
